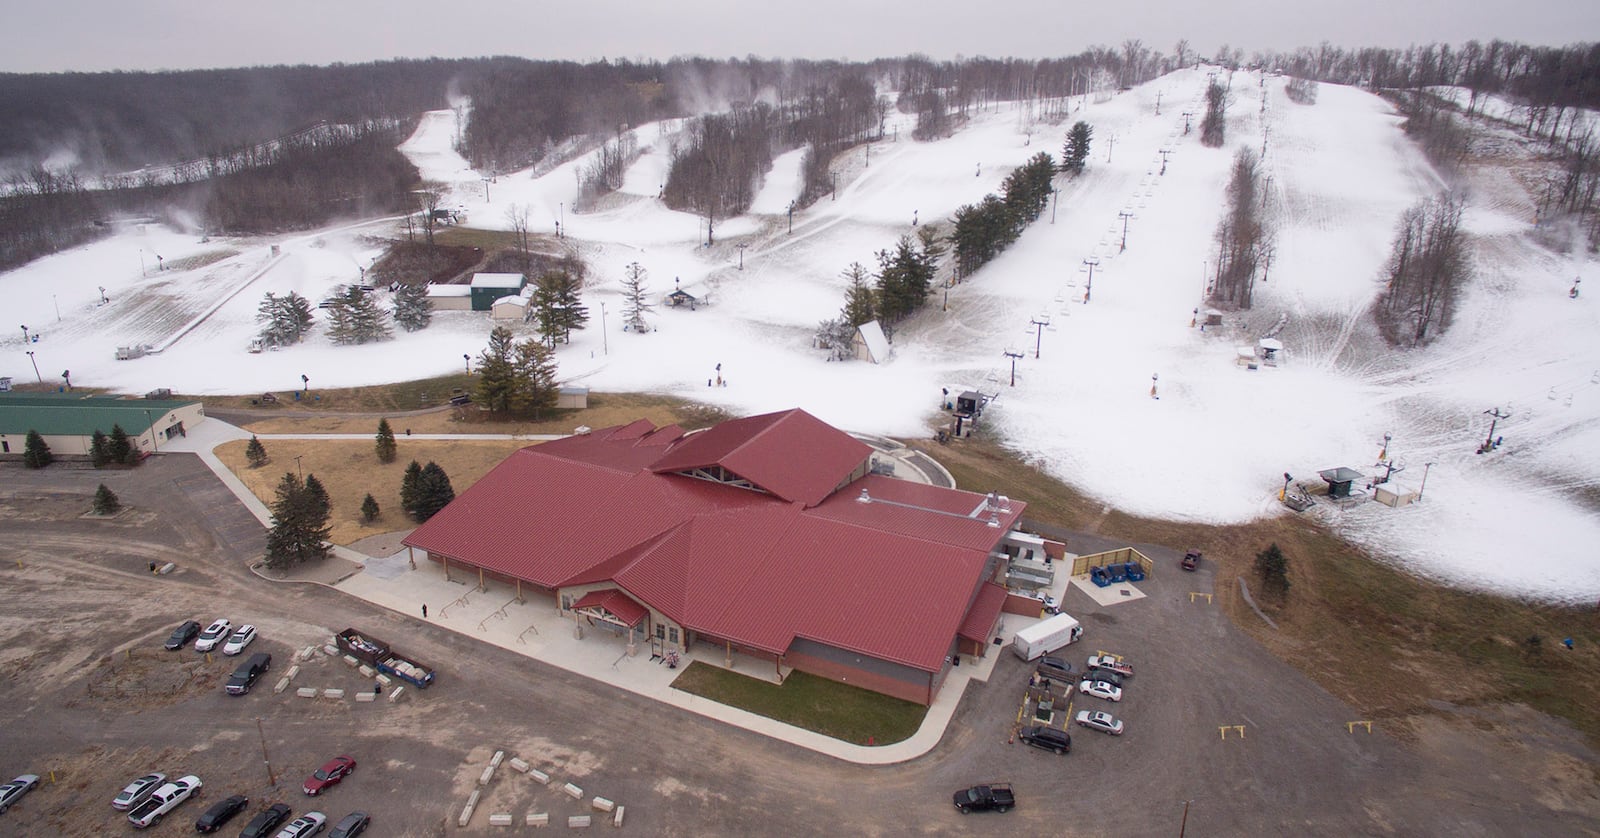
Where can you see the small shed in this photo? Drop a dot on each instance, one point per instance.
(1245, 356)
(870, 344)
(1270, 350)
(486, 288)
(509, 309)
(691, 298)
(1212, 318)
(576, 398)
(970, 403)
(1339, 480)
(450, 297)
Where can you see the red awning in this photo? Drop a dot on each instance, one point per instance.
(614, 602)
(985, 610)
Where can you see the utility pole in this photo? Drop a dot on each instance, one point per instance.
(1088, 289)
(1488, 442)
(1013, 355)
(265, 760)
(1124, 215)
(1039, 323)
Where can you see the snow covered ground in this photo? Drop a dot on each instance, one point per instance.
(1213, 447)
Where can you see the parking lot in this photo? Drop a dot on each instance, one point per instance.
(88, 695)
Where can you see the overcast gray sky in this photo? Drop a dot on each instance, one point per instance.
(89, 35)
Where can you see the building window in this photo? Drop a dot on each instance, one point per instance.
(661, 631)
(566, 602)
(672, 634)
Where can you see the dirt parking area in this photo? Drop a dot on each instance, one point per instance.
(89, 700)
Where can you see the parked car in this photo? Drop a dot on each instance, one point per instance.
(351, 825)
(304, 826)
(163, 800)
(247, 673)
(241, 637)
(1100, 689)
(1191, 560)
(214, 634)
(996, 796)
(1112, 662)
(135, 792)
(221, 812)
(265, 821)
(329, 775)
(1097, 673)
(13, 791)
(183, 634)
(1048, 738)
(1054, 668)
(1100, 721)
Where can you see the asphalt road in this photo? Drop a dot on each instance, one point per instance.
(74, 701)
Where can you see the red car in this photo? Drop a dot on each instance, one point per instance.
(329, 774)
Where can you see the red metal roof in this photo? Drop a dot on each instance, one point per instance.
(791, 454)
(985, 610)
(616, 602)
(894, 578)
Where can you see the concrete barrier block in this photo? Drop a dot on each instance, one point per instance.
(395, 695)
(167, 568)
(494, 761)
(365, 697)
(519, 766)
(578, 821)
(538, 776)
(333, 693)
(616, 820)
(306, 654)
(293, 671)
(283, 684)
(601, 804)
(306, 692)
(383, 679)
(466, 811)
(500, 819)
(350, 661)
(573, 791)
(331, 651)
(538, 819)
(367, 670)
(486, 776)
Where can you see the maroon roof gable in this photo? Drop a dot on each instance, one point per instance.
(791, 454)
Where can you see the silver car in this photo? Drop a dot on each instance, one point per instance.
(135, 792)
(13, 791)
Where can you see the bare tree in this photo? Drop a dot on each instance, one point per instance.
(635, 303)
(1242, 238)
(1428, 265)
(1181, 52)
(430, 197)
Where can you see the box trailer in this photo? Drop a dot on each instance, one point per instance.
(1046, 636)
(370, 650)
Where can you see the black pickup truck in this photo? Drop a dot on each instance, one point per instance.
(996, 796)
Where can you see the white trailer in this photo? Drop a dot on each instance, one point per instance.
(1046, 636)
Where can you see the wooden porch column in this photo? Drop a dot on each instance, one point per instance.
(519, 592)
(411, 556)
(481, 586)
(446, 561)
(727, 659)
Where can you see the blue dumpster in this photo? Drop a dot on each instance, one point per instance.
(1099, 576)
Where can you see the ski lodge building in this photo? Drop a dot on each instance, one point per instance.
(766, 536)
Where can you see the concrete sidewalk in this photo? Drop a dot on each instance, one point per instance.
(535, 629)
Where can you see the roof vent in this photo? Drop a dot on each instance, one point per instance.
(994, 520)
(864, 498)
(1005, 504)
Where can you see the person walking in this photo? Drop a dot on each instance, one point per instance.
(424, 611)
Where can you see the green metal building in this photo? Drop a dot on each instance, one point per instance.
(68, 421)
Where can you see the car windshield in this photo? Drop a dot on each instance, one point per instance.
(322, 774)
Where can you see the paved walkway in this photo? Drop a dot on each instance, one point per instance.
(534, 627)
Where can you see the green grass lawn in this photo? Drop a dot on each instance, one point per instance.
(850, 714)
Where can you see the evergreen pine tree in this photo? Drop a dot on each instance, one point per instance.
(1075, 154)
(35, 452)
(497, 374)
(99, 450)
(542, 311)
(571, 314)
(1273, 567)
(285, 320)
(434, 492)
(385, 446)
(369, 508)
(300, 528)
(354, 318)
(105, 501)
(255, 452)
(121, 447)
(411, 488)
(860, 305)
(413, 311)
(316, 498)
(536, 386)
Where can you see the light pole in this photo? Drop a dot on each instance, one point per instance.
(265, 760)
(298, 467)
(1013, 355)
(1284, 494)
(35, 367)
(741, 254)
(1091, 262)
(153, 441)
(1055, 198)
(791, 218)
(1124, 215)
(1039, 323)
(1424, 486)
(605, 345)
